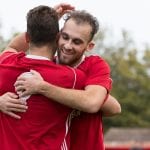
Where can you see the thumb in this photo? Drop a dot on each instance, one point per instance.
(34, 72)
(12, 95)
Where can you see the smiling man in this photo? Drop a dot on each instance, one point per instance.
(76, 38)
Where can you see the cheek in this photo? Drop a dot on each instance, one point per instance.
(80, 50)
(60, 41)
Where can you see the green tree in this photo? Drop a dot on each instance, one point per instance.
(131, 80)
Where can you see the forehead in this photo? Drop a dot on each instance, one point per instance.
(74, 30)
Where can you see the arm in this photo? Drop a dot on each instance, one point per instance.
(88, 100)
(111, 107)
(18, 43)
(85, 100)
(9, 103)
(63, 8)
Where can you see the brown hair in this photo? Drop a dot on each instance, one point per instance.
(42, 25)
(83, 17)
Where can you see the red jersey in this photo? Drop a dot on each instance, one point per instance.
(86, 129)
(45, 124)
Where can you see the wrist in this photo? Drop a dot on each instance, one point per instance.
(43, 87)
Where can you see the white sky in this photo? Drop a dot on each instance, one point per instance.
(132, 15)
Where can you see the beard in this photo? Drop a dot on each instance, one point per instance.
(66, 61)
(69, 60)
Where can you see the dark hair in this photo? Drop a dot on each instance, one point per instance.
(83, 17)
(42, 25)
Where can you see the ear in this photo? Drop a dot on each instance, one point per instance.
(90, 46)
(27, 38)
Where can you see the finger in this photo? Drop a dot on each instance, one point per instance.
(17, 110)
(66, 5)
(17, 101)
(11, 114)
(12, 95)
(21, 77)
(35, 73)
(62, 7)
(17, 106)
(66, 11)
(19, 82)
(19, 89)
(26, 93)
(70, 8)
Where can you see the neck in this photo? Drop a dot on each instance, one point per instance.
(77, 63)
(43, 51)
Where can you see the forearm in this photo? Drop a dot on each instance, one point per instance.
(88, 100)
(111, 107)
(18, 43)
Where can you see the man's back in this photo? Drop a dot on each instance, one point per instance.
(43, 126)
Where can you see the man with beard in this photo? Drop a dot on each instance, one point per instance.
(76, 38)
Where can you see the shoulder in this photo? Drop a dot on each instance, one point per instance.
(7, 55)
(94, 61)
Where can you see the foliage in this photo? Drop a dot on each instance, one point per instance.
(131, 81)
(4, 43)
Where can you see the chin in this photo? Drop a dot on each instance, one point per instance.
(62, 61)
(66, 62)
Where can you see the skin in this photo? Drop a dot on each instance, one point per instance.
(36, 84)
(73, 43)
(72, 47)
(9, 103)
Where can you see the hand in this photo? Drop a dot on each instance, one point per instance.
(9, 104)
(28, 85)
(63, 8)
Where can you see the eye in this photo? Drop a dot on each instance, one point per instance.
(77, 41)
(65, 36)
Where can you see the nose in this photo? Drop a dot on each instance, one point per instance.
(68, 45)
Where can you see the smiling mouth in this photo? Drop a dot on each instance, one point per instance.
(66, 52)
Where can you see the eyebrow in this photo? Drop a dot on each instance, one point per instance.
(82, 41)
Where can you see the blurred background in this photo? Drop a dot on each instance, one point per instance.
(123, 40)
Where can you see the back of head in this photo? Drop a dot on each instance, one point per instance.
(83, 17)
(42, 25)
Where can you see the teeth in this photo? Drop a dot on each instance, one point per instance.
(66, 52)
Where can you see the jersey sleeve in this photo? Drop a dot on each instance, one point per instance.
(99, 73)
(5, 55)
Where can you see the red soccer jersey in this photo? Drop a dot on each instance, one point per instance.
(44, 125)
(86, 129)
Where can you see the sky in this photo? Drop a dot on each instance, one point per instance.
(131, 15)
